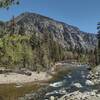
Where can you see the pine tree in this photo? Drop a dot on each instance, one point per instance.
(21, 30)
(12, 27)
(98, 36)
(96, 56)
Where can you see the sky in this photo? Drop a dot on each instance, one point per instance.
(81, 13)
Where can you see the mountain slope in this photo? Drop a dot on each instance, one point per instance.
(66, 35)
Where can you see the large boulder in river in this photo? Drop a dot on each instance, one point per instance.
(78, 85)
(89, 83)
(97, 69)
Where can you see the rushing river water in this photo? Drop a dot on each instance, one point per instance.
(68, 82)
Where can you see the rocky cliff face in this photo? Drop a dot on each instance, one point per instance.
(66, 35)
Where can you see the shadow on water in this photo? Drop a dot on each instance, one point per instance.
(1, 98)
(11, 92)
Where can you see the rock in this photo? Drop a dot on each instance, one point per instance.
(93, 94)
(66, 35)
(97, 73)
(89, 83)
(97, 69)
(78, 85)
(52, 98)
(18, 85)
(24, 72)
(28, 73)
(98, 95)
(56, 84)
(90, 76)
(69, 76)
(62, 91)
(72, 96)
(52, 93)
(77, 95)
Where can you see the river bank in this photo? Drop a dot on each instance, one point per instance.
(70, 81)
(20, 78)
(14, 85)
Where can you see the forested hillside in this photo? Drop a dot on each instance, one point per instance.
(36, 42)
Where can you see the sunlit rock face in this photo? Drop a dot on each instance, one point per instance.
(68, 36)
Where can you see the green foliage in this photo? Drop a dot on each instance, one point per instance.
(46, 50)
(98, 36)
(35, 52)
(7, 3)
(31, 51)
(15, 49)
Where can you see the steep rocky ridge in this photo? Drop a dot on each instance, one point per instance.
(67, 35)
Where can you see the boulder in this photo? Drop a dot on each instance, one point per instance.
(56, 84)
(52, 98)
(78, 85)
(89, 83)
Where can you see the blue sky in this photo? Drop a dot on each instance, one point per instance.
(81, 13)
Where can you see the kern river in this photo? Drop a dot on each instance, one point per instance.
(74, 77)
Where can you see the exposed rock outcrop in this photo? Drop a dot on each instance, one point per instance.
(67, 35)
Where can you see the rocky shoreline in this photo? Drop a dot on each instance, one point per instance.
(91, 94)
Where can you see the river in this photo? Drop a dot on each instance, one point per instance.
(63, 80)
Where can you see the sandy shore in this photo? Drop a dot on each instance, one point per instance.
(20, 78)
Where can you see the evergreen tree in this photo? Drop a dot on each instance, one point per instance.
(96, 56)
(21, 30)
(12, 26)
(98, 36)
(7, 3)
(15, 50)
